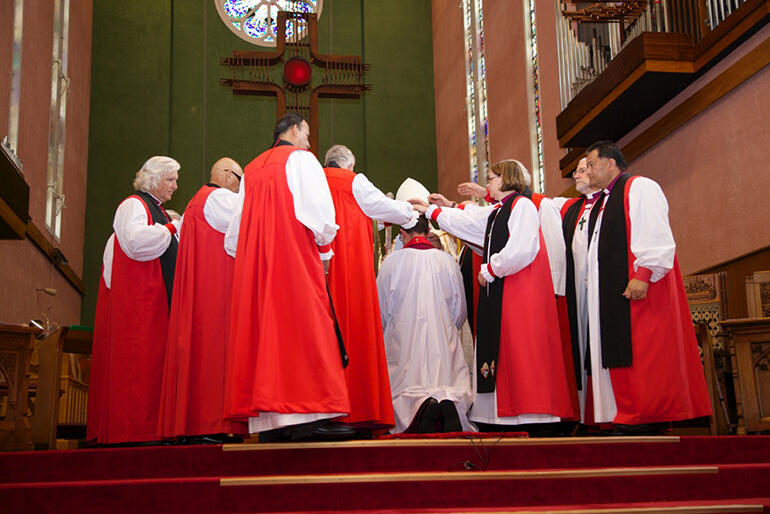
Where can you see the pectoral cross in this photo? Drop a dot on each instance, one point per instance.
(581, 223)
(341, 76)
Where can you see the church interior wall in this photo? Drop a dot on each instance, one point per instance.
(510, 115)
(714, 171)
(507, 79)
(6, 55)
(550, 95)
(25, 268)
(162, 96)
(452, 145)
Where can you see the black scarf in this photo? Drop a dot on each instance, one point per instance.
(168, 259)
(490, 307)
(614, 308)
(568, 227)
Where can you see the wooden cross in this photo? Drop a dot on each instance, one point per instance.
(341, 76)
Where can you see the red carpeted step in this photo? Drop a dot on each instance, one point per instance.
(340, 493)
(374, 456)
(689, 507)
(468, 490)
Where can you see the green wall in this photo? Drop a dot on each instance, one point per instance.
(155, 91)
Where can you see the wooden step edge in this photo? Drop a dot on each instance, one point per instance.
(682, 509)
(464, 475)
(394, 443)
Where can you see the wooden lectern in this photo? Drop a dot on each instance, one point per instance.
(46, 417)
(750, 352)
(16, 345)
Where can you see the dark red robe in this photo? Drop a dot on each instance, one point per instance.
(130, 332)
(283, 354)
(192, 398)
(353, 288)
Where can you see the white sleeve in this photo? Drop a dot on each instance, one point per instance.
(313, 204)
(234, 228)
(550, 224)
(523, 240)
(219, 208)
(138, 240)
(455, 293)
(559, 201)
(376, 205)
(383, 292)
(652, 242)
(109, 250)
(468, 225)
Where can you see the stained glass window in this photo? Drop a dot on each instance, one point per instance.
(476, 90)
(59, 85)
(12, 140)
(538, 176)
(256, 21)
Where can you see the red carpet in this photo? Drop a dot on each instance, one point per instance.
(395, 475)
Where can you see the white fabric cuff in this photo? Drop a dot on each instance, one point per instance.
(430, 211)
(412, 221)
(486, 274)
(326, 255)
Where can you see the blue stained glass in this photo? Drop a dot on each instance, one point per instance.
(237, 8)
(255, 27)
(262, 23)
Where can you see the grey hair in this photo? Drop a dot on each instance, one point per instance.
(152, 171)
(342, 155)
(525, 172)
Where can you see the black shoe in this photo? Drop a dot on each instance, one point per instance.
(451, 417)
(334, 432)
(430, 422)
(631, 430)
(412, 429)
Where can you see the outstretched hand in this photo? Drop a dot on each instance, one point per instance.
(439, 199)
(471, 189)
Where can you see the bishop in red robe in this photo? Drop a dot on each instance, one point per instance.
(192, 397)
(353, 285)
(643, 357)
(132, 311)
(285, 360)
(519, 370)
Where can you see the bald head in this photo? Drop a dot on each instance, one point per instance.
(227, 173)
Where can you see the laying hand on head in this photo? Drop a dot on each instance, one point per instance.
(471, 189)
(416, 201)
(440, 200)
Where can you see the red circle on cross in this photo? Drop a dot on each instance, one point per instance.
(297, 71)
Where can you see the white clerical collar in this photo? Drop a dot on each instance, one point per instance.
(158, 202)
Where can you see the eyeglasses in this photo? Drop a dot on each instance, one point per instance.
(234, 173)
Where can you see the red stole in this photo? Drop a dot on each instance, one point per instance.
(192, 398)
(353, 289)
(129, 346)
(283, 354)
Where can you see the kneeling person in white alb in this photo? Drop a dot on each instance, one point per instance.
(422, 303)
